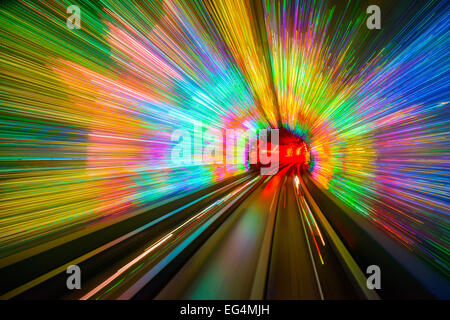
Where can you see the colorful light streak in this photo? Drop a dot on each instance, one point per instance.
(86, 115)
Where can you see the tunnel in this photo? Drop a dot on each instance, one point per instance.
(224, 150)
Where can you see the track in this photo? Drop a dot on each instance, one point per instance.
(266, 250)
(253, 237)
(298, 268)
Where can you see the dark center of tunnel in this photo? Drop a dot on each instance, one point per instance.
(291, 148)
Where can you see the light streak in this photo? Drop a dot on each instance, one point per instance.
(119, 272)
